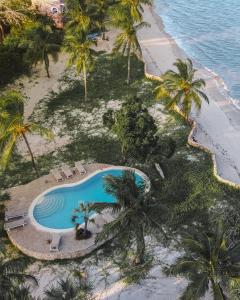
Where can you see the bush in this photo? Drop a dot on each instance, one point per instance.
(12, 62)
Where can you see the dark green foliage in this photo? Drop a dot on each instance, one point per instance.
(208, 262)
(135, 129)
(12, 62)
(108, 119)
(137, 210)
(71, 289)
(4, 196)
(11, 275)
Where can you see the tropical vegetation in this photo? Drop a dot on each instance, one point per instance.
(208, 262)
(181, 89)
(118, 125)
(136, 211)
(13, 128)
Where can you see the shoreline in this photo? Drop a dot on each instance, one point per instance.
(216, 128)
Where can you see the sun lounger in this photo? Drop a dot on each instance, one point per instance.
(12, 214)
(54, 246)
(15, 224)
(80, 167)
(67, 172)
(160, 171)
(57, 175)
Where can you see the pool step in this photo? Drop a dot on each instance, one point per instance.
(49, 206)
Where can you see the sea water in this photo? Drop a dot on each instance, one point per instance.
(209, 33)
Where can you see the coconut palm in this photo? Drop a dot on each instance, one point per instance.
(137, 212)
(68, 289)
(81, 55)
(100, 8)
(86, 210)
(12, 14)
(135, 7)
(127, 41)
(41, 42)
(180, 88)
(11, 273)
(14, 128)
(78, 18)
(208, 263)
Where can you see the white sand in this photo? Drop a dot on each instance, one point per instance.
(218, 122)
(39, 86)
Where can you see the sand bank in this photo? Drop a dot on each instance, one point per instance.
(218, 123)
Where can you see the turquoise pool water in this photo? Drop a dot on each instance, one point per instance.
(55, 208)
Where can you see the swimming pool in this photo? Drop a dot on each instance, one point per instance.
(53, 210)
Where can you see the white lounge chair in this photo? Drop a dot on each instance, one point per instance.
(67, 172)
(79, 166)
(12, 214)
(160, 171)
(57, 175)
(54, 246)
(15, 224)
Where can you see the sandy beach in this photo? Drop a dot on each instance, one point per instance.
(218, 122)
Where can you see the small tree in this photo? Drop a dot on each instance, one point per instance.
(86, 210)
(135, 128)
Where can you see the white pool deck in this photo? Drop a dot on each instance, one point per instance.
(33, 241)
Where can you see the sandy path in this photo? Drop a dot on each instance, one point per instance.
(219, 122)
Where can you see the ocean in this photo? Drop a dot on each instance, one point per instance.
(209, 33)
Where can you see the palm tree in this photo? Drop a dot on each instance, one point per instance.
(11, 273)
(68, 289)
(86, 210)
(127, 41)
(137, 213)
(100, 9)
(13, 127)
(181, 88)
(41, 42)
(135, 7)
(208, 263)
(11, 15)
(78, 18)
(78, 45)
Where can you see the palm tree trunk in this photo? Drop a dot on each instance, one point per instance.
(140, 246)
(214, 285)
(46, 61)
(85, 225)
(85, 82)
(129, 67)
(31, 154)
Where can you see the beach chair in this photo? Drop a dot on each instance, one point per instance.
(54, 246)
(15, 224)
(57, 175)
(160, 171)
(13, 214)
(67, 172)
(79, 166)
